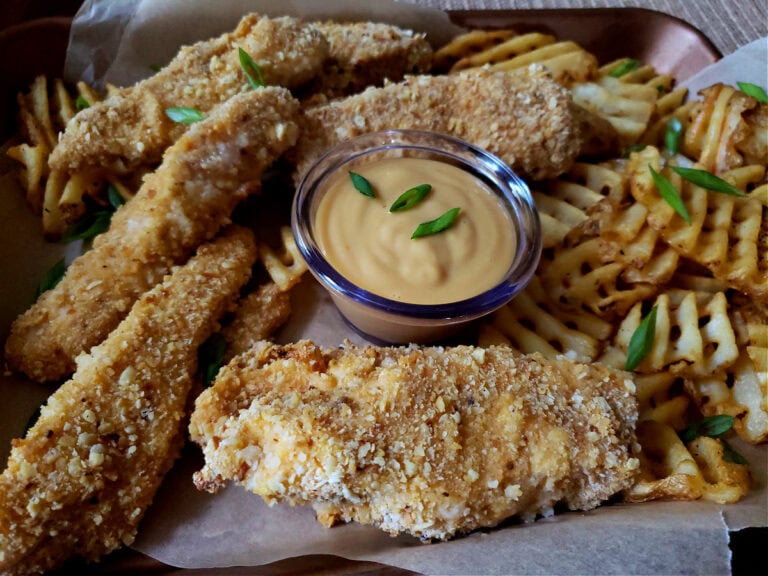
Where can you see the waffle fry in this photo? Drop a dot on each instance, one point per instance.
(661, 397)
(628, 107)
(717, 127)
(473, 42)
(285, 266)
(533, 323)
(693, 337)
(671, 471)
(724, 231)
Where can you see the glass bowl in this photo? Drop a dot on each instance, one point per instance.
(393, 321)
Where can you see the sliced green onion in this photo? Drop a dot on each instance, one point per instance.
(182, 115)
(712, 426)
(52, 277)
(155, 67)
(633, 148)
(707, 180)
(410, 198)
(81, 103)
(114, 197)
(757, 92)
(211, 357)
(437, 225)
(642, 341)
(362, 185)
(730, 455)
(673, 134)
(625, 67)
(251, 69)
(670, 194)
(91, 225)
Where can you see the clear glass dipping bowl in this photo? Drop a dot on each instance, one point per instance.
(396, 322)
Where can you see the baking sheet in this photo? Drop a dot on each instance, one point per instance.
(190, 529)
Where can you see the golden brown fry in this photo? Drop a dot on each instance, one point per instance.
(429, 441)
(131, 128)
(80, 481)
(190, 197)
(484, 108)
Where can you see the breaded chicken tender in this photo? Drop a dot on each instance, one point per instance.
(132, 128)
(81, 480)
(363, 54)
(524, 117)
(185, 202)
(429, 441)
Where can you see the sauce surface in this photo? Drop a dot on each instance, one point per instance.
(373, 248)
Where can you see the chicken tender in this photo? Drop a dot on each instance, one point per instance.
(363, 54)
(81, 480)
(184, 203)
(429, 441)
(523, 116)
(132, 128)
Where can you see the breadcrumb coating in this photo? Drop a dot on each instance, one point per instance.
(209, 170)
(131, 128)
(429, 441)
(363, 54)
(523, 116)
(81, 480)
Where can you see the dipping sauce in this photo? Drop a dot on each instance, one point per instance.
(373, 248)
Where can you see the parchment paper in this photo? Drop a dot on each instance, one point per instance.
(118, 41)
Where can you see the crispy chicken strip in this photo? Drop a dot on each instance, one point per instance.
(184, 203)
(523, 116)
(428, 441)
(131, 128)
(363, 54)
(81, 480)
(258, 315)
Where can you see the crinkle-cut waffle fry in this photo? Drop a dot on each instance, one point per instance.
(693, 337)
(736, 392)
(760, 194)
(285, 266)
(661, 397)
(532, 323)
(567, 62)
(668, 106)
(671, 471)
(727, 234)
(464, 45)
(628, 107)
(587, 276)
(507, 50)
(717, 126)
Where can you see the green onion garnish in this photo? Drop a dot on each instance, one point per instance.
(362, 185)
(642, 341)
(712, 426)
(757, 92)
(437, 225)
(707, 180)
(52, 277)
(211, 357)
(625, 67)
(251, 69)
(410, 198)
(182, 115)
(673, 134)
(670, 194)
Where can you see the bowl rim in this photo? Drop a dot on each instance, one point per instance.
(506, 184)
